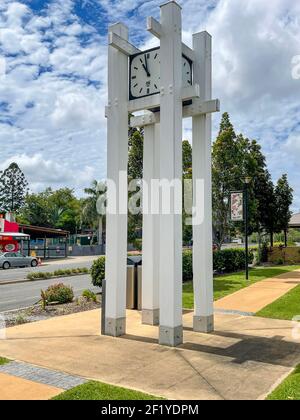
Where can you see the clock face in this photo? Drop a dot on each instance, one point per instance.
(145, 73)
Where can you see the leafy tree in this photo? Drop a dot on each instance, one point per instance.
(226, 176)
(59, 209)
(135, 172)
(13, 188)
(65, 209)
(135, 157)
(284, 200)
(187, 159)
(36, 210)
(234, 158)
(265, 220)
(187, 163)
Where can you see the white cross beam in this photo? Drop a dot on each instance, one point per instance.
(155, 28)
(197, 108)
(122, 44)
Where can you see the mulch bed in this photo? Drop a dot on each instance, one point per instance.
(36, 313)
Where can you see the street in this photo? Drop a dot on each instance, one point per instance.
(16, 274)
(15, 296)
(20, 295)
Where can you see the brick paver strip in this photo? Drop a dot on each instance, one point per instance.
(41, 375)
(232, 312)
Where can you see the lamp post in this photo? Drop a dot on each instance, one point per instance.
(247, 181)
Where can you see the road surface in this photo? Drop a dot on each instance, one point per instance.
(15, 296)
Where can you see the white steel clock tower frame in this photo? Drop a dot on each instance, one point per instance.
(162, 233)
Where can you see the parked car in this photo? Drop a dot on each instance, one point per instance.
(16, 259)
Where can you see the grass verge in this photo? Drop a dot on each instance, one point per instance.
(289, 390)
(286, 307)
(3, 361)
(58, 273)
(93, 391)
(230, 283)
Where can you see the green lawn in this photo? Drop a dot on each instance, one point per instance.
(289, 389)
(93, 391)
(226, 284)
(3, 361)
(287, 307)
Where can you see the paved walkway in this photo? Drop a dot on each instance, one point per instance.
(243, 359)
(22, 381)
(256, 297)
(18, 389)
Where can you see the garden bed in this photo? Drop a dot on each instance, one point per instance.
(36, 313)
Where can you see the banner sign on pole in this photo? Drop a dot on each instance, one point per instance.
(237, 206)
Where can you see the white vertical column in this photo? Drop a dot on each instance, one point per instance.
(117, 161)
(170, 270)
(202, 233)
(150, 287)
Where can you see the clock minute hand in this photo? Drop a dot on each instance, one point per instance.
(146, 67)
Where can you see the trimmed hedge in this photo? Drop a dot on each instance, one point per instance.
(231, 260)
(187, 265)
(225, 261)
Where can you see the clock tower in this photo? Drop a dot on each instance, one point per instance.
(167, 83)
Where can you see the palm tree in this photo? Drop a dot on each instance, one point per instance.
(91, 214)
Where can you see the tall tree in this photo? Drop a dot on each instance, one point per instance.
(187, 172)
(284, 200)
(234, 158)
(135, 157)
(13, 188)
(90, 212)
(266, 214)
(226, 176)
(135, 172)
(187, 159)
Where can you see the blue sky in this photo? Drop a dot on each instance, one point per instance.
(53, 80)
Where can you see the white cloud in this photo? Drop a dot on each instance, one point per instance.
(40, 172)
(55, 84)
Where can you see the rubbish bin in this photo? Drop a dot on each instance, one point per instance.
(133, 293)
(139, 287)
(131, 287)
(134, 260)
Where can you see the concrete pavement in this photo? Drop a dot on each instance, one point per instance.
(242, 359)
(257, 296)
(15, 296)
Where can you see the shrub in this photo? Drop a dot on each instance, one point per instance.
(264, 253)
(227, 260)
(187, 265)
(231, 260)
(89, 295)
(98, 271)
(59, 293)
(138, 244)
